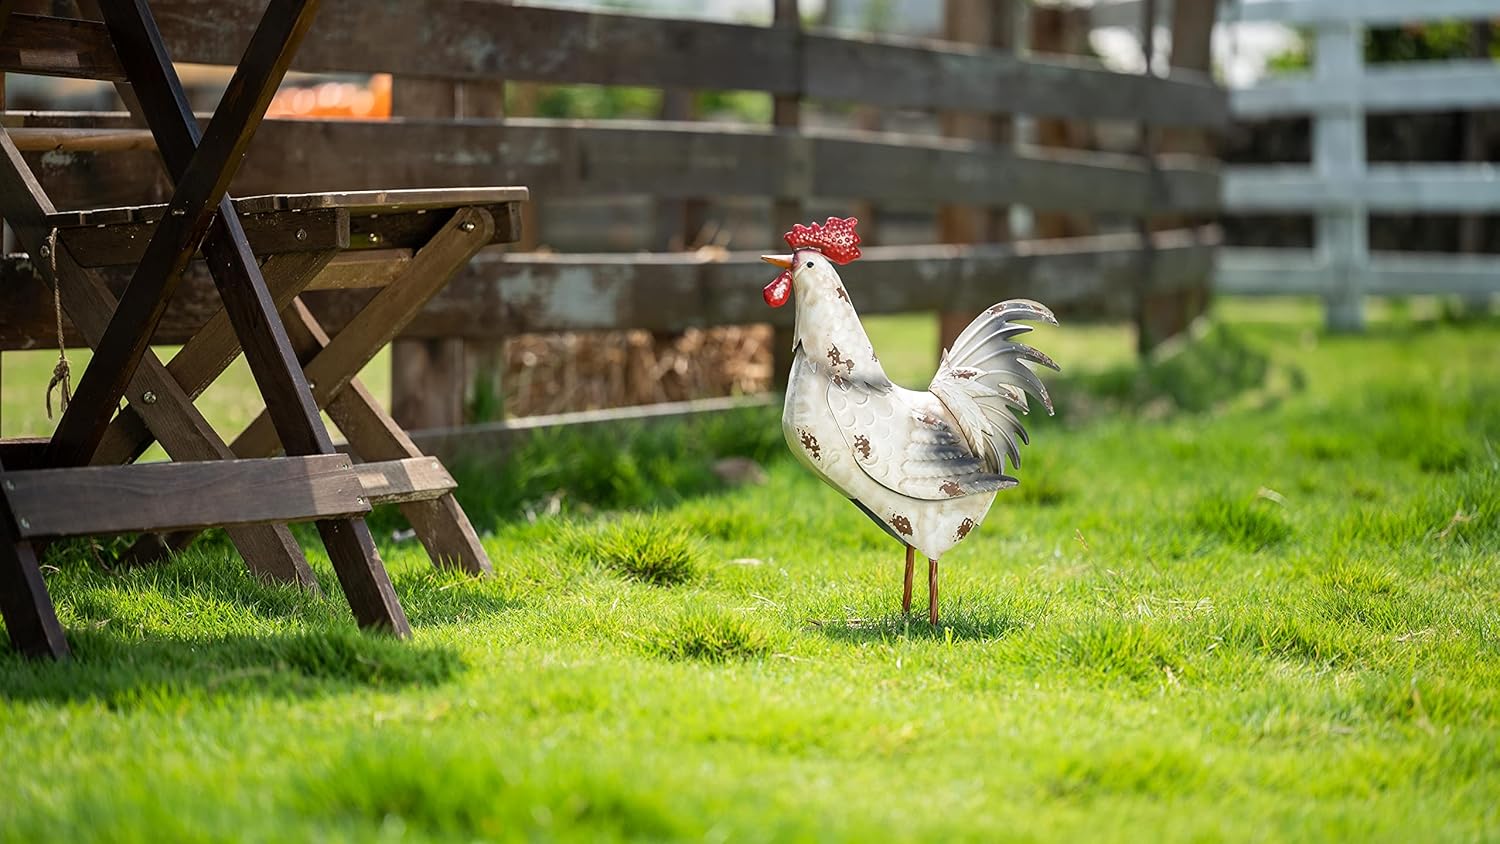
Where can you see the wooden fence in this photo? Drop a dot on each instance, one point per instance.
(1339, 186)
(95, 159)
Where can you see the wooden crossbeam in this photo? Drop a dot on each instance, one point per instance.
(247, 301)
(201, 188)
(269, 234)
(95, 500)
(408, 479)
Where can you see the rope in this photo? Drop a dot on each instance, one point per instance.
(62, 374)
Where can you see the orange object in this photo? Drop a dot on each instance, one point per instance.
(336, 100)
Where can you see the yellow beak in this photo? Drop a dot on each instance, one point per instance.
(783, 261)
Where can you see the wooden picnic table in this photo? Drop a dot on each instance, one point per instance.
(262, 252)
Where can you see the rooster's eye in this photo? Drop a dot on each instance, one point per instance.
(809, 264)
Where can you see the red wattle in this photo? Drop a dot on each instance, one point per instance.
(778, 291)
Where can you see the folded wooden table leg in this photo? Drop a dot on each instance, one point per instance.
(247, 301)
(30, 618)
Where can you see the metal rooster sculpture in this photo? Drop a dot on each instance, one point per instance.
(925, 466)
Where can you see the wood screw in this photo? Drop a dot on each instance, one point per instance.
(25, 524)
(302, 234)
(148, 397)
(374, 237)
(45, 251)
(10, 484)
(467, 225)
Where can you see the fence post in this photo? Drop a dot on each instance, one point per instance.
(434, 381)
(678, 221)
(1339, 161)
(1471, 228)
(984, 23)
(786, 211)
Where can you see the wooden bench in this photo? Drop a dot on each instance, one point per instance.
(261, 252)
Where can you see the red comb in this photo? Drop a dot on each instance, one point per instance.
(836, 239)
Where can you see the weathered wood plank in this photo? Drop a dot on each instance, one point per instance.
(595, 158)
(269, 233)
(475, 40)
(93, 500)
(537, 293)
(919, 74)
(465, 39)
(389, 201)
(408, 479)
(498, 295)
(50, 46)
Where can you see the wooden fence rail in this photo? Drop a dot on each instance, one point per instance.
(500, 294)
(559, 158)
(482, 39)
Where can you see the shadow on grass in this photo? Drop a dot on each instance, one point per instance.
(959, 624)
(125, 671)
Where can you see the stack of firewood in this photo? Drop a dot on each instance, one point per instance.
(555, 373)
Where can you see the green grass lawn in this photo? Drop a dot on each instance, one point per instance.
(1250, 593)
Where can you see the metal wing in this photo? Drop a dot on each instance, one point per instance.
(903, 441)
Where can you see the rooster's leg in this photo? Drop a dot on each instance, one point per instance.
(911, 562)
(932, 614)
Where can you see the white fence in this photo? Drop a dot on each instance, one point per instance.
(1339, 186)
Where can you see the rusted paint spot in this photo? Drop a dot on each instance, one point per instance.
(839, 291)
(901, 524)
(810, 444)
(837, 358)
(963, 528)
(951, 489)
(862, 445)
(929, 420)
(838, 381)
(963, 374)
